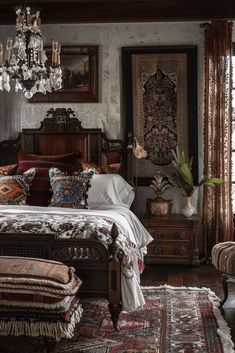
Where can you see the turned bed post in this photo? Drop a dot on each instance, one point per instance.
(114, 280)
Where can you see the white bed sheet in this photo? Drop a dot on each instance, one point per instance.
(132, 297)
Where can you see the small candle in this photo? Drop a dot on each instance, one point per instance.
(1, 54)
(53, 57)
(9, 43)
(38, 22)
(58, 58)
(8, 54)
(29, 19)
(55, 46)
(19, 21)
(40, 55)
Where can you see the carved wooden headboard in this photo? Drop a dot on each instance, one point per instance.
(61, 132)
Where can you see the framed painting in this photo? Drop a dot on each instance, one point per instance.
(159, 98)
(79, 73)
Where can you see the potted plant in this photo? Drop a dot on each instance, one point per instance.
(182, 177)
(159, 206)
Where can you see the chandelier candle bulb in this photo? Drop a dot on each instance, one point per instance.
(58, 59)
(1, 54)
(38, 19)
(55, 46)
(19, 21)
(53, 58)
(9, 43)
(8, 55)
(40, 55)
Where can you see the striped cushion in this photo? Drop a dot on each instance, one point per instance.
(36, 281)
(223, 257)
(38, 269)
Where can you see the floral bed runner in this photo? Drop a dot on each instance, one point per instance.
(71, 226)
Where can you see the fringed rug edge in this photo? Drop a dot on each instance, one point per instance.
(223, 329)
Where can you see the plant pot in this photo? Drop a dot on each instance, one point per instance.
(188, 209)
(159, 207)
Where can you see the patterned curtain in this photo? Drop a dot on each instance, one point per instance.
(217, 204)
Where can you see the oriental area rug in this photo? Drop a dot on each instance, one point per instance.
(173, 320)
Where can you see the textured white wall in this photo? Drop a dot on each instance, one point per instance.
(16, 112)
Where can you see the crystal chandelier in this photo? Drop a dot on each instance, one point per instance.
(25, 58)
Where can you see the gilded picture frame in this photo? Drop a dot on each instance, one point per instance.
(80, 76)
(159, 101)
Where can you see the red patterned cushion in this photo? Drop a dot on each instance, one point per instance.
(15, 189)
(8, 169)
(106, 169)
(40, 194)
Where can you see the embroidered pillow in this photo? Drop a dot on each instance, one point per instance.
(8, 169)
(69, 191)
(40, 192)
(106, 169)
(15, 189)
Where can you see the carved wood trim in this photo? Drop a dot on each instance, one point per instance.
(61, 123)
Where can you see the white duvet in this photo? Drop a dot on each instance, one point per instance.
(132, 297)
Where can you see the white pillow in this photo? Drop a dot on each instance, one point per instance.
(110, 189)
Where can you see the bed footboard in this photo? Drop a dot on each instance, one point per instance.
(95, 264)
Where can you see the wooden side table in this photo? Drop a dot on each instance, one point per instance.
(175, 239)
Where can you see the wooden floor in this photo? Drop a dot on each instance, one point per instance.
(192, 276)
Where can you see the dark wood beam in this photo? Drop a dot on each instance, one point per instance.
(94, 11)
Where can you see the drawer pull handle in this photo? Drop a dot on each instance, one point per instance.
(158, 250)
(181, 235)
(158, 234)
(180, 251)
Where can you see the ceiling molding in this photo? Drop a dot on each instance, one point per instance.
(100, 11)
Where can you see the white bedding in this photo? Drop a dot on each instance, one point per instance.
(126, 221)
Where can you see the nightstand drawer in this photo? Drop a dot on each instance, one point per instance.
(169, 249)
(170, 234)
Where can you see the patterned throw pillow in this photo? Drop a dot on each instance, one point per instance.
(106, 169)
(15, 189)
(8, 169)
(69, 191)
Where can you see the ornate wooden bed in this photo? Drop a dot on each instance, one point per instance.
(62, 133)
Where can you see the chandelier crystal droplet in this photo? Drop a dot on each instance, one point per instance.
(24, 59)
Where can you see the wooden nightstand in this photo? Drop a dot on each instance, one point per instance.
(175, 239)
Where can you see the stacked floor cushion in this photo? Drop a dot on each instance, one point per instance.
(38, 298)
